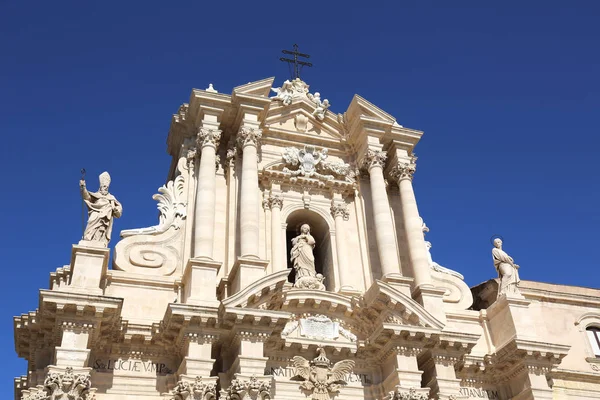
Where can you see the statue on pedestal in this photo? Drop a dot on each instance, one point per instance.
(508, 271)
(102, 208)
(303, 260)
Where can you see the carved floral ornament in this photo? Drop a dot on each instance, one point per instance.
(196, 390)
(208, 137)
(249, 136)
(408, 394)
(403, 171)
(63, 386)
(340, 210)
(247, 389)
(374, 158)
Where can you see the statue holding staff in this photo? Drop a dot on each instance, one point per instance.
(102, 208)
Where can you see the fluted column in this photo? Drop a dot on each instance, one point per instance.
(339, 211)
(413, 226)
(384, 227)
(276, 203)
(204, 219)
(248, 139)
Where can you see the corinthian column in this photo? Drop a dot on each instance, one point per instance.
(248, 139)
(204, 220)
(276, 203)
(339, 211)
(413, 226)
(384, 228)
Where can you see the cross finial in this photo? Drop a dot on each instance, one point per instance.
(297, 63)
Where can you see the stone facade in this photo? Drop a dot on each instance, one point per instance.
(204, 306)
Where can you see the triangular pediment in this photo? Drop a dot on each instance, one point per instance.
(366, 108)
(298, 122)
(257, 88)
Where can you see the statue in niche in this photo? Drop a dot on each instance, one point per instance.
(303, 260)
(102, 208)
(508, 271)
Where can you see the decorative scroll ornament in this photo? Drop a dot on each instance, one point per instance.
(408, 394)
(208, 137)
(319, 378)
(196, 390)
(432, 264)
(340, 210)
(251, 389)
(249, 136)
(374, 158)
(320, 106)
(290, 90)
(68, 386)
(157, 250)
(309, 161)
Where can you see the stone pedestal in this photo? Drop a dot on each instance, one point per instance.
(246, 271)
(200, 282)
(402, 369)
(400, 283)
(89, 263)
(197, 361)
(509, 317)
(432, 299)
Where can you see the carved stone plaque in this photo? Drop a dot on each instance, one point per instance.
(319, 327)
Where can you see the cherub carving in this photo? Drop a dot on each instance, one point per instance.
(284, 93)
(319, 377)
(320, 106)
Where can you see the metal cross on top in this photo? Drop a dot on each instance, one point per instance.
(297, 63)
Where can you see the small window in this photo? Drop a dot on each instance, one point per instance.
(593, 333)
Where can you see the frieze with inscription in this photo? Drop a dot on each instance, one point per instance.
(135, 366)
(290, 372)
(475, 393)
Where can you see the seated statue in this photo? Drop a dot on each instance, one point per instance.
(303, 260)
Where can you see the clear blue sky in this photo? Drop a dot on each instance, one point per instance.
(508, 94)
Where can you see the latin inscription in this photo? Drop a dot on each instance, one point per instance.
(474, 393)
(145, 367)
(290, 372)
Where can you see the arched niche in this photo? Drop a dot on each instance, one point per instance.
(319, 229)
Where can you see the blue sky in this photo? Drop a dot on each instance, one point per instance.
(508, 94)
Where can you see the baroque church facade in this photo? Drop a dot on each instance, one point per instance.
(290, 262)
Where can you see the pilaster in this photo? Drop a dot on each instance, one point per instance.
(246, 271)
(196, 348)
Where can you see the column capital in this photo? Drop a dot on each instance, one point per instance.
(208, 137)
(275, 201)
(374, 158)
(340, 210)
(404, 170)
(248, 136)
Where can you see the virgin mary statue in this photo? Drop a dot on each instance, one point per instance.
(302, 255)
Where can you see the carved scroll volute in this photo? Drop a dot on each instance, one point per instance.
(157, 250)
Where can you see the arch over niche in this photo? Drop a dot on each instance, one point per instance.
(320, 230)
